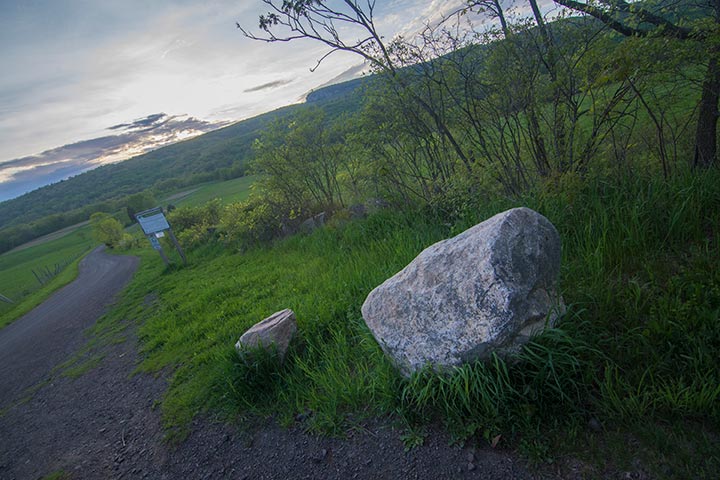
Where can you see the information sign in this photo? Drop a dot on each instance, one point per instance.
(152, 221)
(155, 225)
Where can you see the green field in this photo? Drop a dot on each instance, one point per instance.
(18, 282)
(229, 191)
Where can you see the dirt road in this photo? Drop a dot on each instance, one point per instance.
(32, 345)
(102, 422)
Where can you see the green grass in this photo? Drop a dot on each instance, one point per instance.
(57, 475)
(229, 191)
(18, 282)
(638, 346)
(83, 367)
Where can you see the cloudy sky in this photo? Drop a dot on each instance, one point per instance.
(87, 82)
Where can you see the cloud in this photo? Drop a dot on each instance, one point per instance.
(149, 121)
(21, 175)
(80, 66)
(268, 85)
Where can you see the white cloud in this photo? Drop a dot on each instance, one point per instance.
(74, 68)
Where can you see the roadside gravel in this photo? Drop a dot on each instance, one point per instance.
(104, 423)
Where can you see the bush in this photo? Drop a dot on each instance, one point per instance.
(195, 225)
(260, 218)
(106, 229)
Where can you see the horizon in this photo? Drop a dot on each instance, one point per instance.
(91, 94)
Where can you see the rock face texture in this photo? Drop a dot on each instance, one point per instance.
(278, 329)
(486, 290)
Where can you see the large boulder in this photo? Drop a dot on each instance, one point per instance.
(275, 332)
(486, 290)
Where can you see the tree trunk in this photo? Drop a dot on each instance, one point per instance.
(706, 133)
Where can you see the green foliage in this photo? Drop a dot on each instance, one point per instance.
(57, 475)
(138, 202)
(106, 229)
(255, 376)
(302, 157)
(195, 225)
(638, 344)
(257, 219)
(16, 271)
(548, 380)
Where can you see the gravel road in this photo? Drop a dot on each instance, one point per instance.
(32, 345)
(104, 424)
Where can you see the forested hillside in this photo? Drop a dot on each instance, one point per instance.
(221, 154)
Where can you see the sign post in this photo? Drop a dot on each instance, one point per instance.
(154, 225)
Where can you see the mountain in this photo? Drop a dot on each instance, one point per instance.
(221, 153)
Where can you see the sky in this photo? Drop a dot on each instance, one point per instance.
(90, 82)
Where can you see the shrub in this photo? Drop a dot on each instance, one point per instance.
(195, 225)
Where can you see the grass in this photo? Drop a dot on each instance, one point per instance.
(18, 282)
(57, 475)
(638, 346)
(228, 191)
(81, 368)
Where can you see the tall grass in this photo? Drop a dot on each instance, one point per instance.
(639, 341)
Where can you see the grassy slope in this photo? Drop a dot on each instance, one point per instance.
(638, 346)
(234, 190)
(18, 282)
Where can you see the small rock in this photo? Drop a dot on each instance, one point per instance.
(278, 329)
(313, 223)
(320, 456)
(470, 466)
(594, 425)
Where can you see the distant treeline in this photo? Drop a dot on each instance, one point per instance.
(219, 155)
(16, 235)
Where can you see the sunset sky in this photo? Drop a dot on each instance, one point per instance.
(80, 73)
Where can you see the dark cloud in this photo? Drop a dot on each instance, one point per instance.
(141, 123)
(268, 86)
(139, 136)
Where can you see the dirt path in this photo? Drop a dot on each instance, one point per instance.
(32, 345)
(103, 424)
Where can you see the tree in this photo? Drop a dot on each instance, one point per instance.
(289, 20)
(302, 160)
(106, 229)
(698, 23)
(138, 202)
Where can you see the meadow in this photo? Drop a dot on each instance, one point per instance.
(61, 255)
(229, 191)
(20, 284)
(635, 354)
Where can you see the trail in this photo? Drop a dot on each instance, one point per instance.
(32, 345)
(103, 422)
